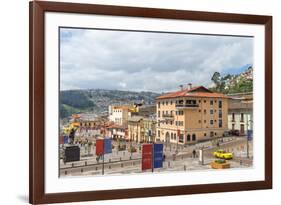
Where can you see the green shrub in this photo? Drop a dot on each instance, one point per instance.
(220, 161)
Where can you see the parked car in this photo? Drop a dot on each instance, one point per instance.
(225, 134)
(223, 154)
(234, 132)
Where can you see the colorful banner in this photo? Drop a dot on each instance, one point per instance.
(107, 146)
(178, 132)
(61, 140)
(65, 139)
(158, 155)
(99, 147)
(146, 156)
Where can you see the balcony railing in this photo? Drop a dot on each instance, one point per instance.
(168, 115)
(187, 105)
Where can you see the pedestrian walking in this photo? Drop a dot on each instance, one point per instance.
(164, 157)
(194, 153)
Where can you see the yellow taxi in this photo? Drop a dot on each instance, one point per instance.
(223, 154)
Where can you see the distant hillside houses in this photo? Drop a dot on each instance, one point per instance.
(229, 84)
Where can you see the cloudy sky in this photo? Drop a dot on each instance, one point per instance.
(146, 61)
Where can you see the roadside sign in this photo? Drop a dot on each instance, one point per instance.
(200, 155)
(146, 156)
(99, 147)
(250, 135)
(72, 153)
(158, 155)
(107, 146)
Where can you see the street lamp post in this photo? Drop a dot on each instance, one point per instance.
(247, 125)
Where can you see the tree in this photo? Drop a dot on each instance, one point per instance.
(216, 78)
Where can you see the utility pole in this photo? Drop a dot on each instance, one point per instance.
(152, 158)
(103, 148)
(248, 136)
(103, 164)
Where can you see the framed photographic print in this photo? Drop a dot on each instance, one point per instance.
(139, 102)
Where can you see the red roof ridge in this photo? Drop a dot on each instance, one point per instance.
(192, 93)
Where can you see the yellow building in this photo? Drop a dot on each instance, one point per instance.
(190, 115)
(141, 129)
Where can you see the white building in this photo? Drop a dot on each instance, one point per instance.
(240, 114)
(119, 114)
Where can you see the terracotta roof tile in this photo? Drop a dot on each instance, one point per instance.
(193, 93)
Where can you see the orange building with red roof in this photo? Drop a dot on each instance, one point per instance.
(190, 115)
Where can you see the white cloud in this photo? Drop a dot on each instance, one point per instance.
(146, 61)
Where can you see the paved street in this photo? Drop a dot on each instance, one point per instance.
(178, 158)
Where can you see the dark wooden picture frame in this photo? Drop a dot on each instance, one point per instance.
(37, 96)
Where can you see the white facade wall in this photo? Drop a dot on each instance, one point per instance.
(238, 122)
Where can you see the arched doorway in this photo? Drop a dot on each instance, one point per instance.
(167, 137)
(188, 138)
(193, 137)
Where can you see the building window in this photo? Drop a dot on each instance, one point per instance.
(162, 102)
(220, 113)
(199, 110)
(233, 117)
(211, 112)
(199, 121)
(193, 137)
(205, 134)
(220, 104)
(205, 121)
(171, 122)
(211, 102)
(158, 104)
(188, 137)
(211, 122)
(163, 113)
(242, 117)
(171, 102)
(205, 111)
(158, 113)
(159, 133)
(204, 101)
(220, 123)
(211, 134)
(199, 101)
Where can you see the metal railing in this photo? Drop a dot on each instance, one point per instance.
(187, 105)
